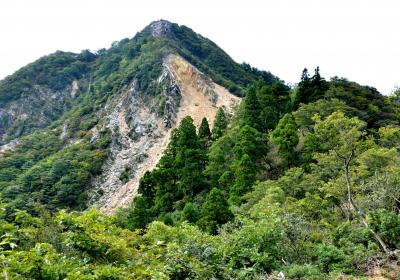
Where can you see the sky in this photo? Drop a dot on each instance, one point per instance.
(355, 39)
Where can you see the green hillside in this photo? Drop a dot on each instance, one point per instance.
(46, 155)
(301, 182)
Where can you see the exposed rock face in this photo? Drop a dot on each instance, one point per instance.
(8, 146)
(201, 97)
(172, 93)
(74, 88)
(36, 110)
(160, 28)
(139, 135)
(135, 135)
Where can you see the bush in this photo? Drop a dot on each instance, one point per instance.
(303, 272)
(387, 224)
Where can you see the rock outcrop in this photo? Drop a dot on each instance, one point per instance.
(160, 27)
(140, 135)
(110, 113)
(36, 110)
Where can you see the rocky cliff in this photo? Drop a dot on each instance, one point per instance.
(118, 105)
(140, 135)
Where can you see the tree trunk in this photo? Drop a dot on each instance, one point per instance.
(356, 208)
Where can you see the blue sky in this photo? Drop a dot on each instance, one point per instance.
(355, 39)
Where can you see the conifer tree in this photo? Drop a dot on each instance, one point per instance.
(141, 214)
(187, 138)
(245, 176)
(220, 157)
(285, 136)
(250, 142)
(251, 110)
(274, 101)
(190, 213)
(178, 175)
(147, 185)
(311, 89)
(204, 134)
(215, 211)
(190, 159)
(220, 124)
(166, 175)
(319, 86)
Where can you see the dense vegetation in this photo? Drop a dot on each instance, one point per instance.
(322, 180)
(54, 71)
(42, 170)
(303, 181)
(210, 59)
(314, 197)
(43, 88)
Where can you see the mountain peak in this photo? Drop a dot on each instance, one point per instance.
(160, 27)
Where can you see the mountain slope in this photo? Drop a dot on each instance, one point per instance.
(197, 95)
(301, 183)
(129, 96)
(41, 92)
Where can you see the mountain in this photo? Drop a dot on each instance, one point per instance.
(114, 108)
(197, 168)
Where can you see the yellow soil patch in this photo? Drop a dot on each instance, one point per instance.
(197, 91)
(196, 98)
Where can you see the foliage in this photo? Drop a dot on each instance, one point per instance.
(205, 134)
(220, 124)
(54, 71)
(375, 108)
(388, 225)
(220, 204)
(177, 179)
(311, 89)
(215, 211)
(285, 136)
(210, 59)
(41, 170)
(251, 110)
(270, 103)
(245, 175)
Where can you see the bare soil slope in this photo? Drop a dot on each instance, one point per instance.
(200, 97)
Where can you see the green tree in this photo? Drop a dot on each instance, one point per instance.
(141, 214)
(251, 110)
(343, 136)
(157, 187)
(389, 136)
(245, 176)
(177, 179)
(190, 213)
(274, 101)
(215, 211)
(220, 124)
(373, 107)
(285, 136)
(191, 179)
(250, 142)
(190, 159)
(187, 135)
(205, 134)
(147, 185)
(220, 157)
(311, 89)
(387, 224)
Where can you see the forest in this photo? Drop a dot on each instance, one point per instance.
(302, 182)
(299, 182)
